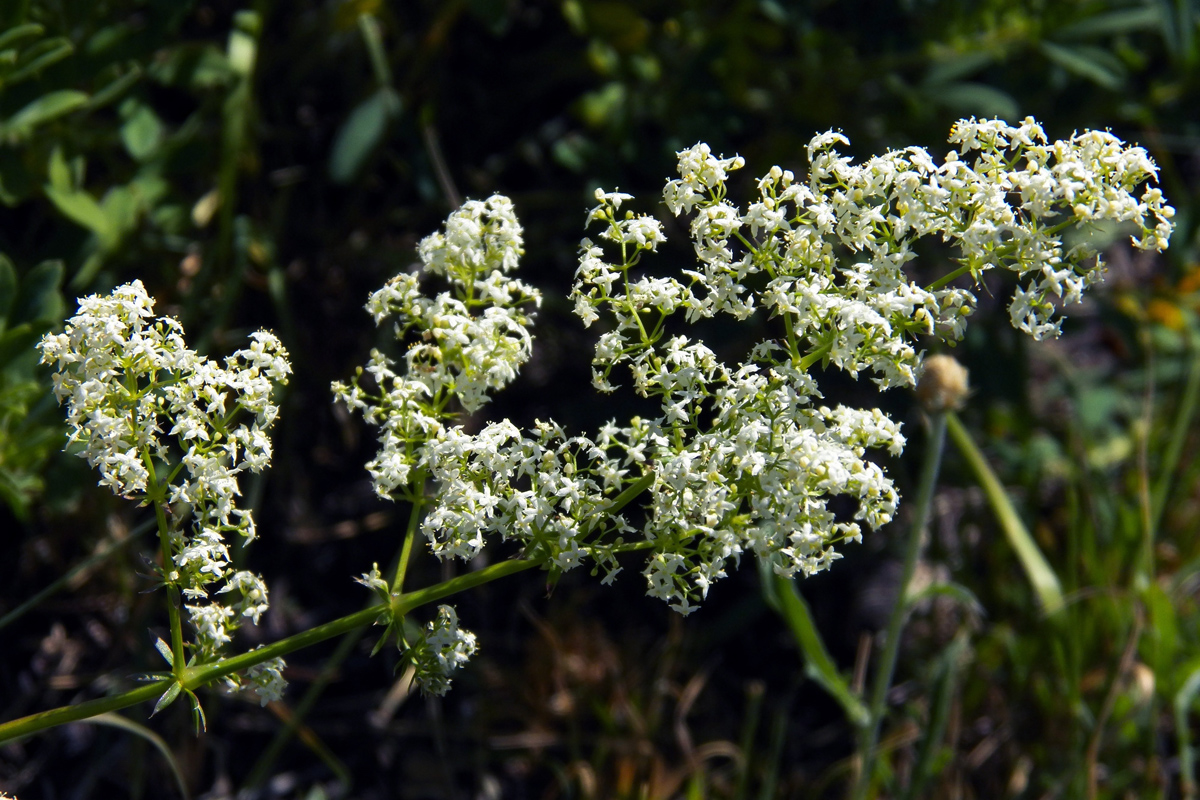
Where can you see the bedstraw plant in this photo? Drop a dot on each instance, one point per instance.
(739, 461)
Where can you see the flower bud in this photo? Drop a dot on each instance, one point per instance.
(943, 385)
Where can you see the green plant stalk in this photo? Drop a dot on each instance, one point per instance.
(868, 735)
(179, 658)
(1037, 569)
(818, 664)
(1174, 445)
(195, 677)
(258, 774)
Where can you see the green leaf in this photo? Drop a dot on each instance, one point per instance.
(19, 32)
(958, 66)
(362, 133)
(59, 171)
(117, 721)
(57, 50)
(955, 591)
(164, 650)
(39, 299)
(818, 664)
(116, 87)
(82, 208)
(19, 340)
(8, 289)
(1090, 63)
(977, 99)
(1113, 23)
(167, 698)
(198, 718)
(142, 133)
(1183, 703)
(46, 108)
(1037, 569)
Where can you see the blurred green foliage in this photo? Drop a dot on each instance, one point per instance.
(267, 164)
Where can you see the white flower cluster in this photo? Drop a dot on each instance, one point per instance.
(168, 426)
(462, 343)
(442, 648)
(745, 457)
(267, 680)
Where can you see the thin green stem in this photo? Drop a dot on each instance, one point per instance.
(410, 534)
(944, 280)
(157, 493)
(1179, 434)
(196, 677)
(815, 356)
(869, 734)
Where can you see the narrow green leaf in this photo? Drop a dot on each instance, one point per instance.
(361, 134)
(39, 298)
(117, 721)
(1037, 569)
(19, 32)
(115, 88)
(818, 664)
(955, 591)
(1183, 703)
(46, 108)
(198, 719)
(168, 697)
(8, 290)
(18, 341)
(61, 49)
(82, 208)
(59, 171)
(1089, 63)
(977, 99)
(164, 650)
(1113, 23)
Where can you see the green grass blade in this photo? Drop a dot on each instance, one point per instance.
(1037, 569)
(818, 665)
(129, 726)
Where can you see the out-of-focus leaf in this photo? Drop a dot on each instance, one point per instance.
(361, 133)
(1112, 23)
(8, 289)
(978, 99)
(958, 67)
(19, 340)
(1091, 63)
(58, 50)
(82, 208)
(1037, 569)
(116, 87)
(142, 132)
(46, 108)
(782, 595)
(598, 108)
(39, 299)
(128, 725)
(59, 171)
(13, 35)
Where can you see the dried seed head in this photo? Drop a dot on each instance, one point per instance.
(943, 384)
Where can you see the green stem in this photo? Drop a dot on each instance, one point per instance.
(157, 492)
(1041, 575)
(940, 282)
(1179, 435)
(410, 534)
(195, 677)
(815, 356)
(869, 734)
